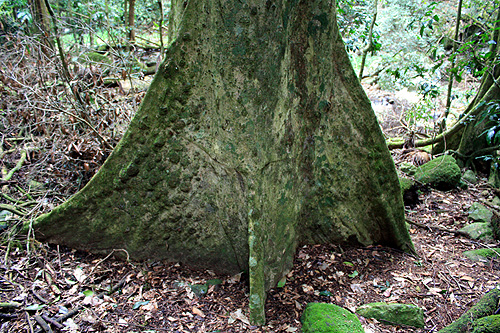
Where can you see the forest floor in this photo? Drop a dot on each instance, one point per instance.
(80, 292)
(50, 281)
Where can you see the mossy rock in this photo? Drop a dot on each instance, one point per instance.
(482, 254)
(480, 213)
(405, 184)
(495, 225)
(479, 230)
(441, 173)
(470, 177)
(408, 168)
(393, 313)
(489, 324)
(94, 57)
(329, 318)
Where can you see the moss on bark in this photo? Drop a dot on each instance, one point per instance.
(255, 136)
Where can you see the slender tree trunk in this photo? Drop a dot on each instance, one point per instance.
(255, 136)
(464, 136)
(160, 24)
(442, 126)
(369, 44)
(125, 14)
(41, 19)
(131, 21)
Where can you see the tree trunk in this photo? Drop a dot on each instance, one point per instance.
(442, 125)
(255, 136)
(41, 19)
(174, 18)
(468, 138)
(131, 21)
(369, 43)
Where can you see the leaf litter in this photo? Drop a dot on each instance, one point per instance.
(154, 296)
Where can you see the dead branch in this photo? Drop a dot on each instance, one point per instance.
(43, 324)
(435, 227)
(12, 209)
(18, 166)
(10, 305)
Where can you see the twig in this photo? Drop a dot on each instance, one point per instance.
(3, 153)
(7, 316)
(43, 324)
(17, 167)
(118, 286)
(11, 209)
(69, 314)
(52, 321)
(10, 305)
(43, 300)
(95, 267)
(435, 227)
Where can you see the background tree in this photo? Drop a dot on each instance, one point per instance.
(255, 136)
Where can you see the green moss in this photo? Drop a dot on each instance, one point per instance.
(329, 318)
(94, 57)
(393, 313)
(405, 184)
(489, 324)
(441, 173)
(483, 254)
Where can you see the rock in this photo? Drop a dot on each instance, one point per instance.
(489, 324)
(201, 290)
(393, 313)
(405, 183)
(495, 225)
(36, 186)
(409, 191)
(479, 230)
(482, 254)
(408, 168)
(441, 173)
(480, 213)
(470, 177)
(329, 318)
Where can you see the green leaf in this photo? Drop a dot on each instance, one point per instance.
(35, 307)
(281, 283)
(325, 293)
(137, 305)
(347, 263)
(353, 274)
(88, 293)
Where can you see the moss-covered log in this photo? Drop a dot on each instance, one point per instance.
(255, 136)
(487, 305)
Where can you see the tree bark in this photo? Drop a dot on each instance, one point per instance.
(255, 136)
(131, 21)
(369, 45)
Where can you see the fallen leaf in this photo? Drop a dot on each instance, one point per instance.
(238, 315)
(307, 289)
(356, 287)
(467, 278)
(198, 312)
(79, 275)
